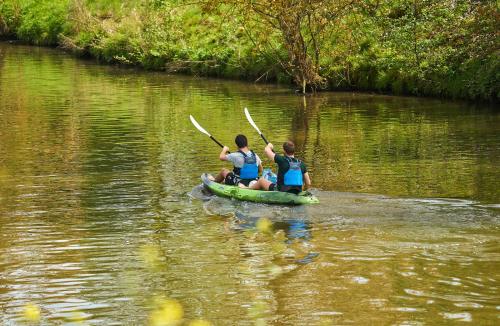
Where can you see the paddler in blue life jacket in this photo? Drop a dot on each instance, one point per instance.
(247, 164)
(292, 172)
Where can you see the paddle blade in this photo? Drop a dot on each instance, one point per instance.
(249, 118)
(197, 125)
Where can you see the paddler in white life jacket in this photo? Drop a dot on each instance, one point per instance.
(247, 164)
(292, 172)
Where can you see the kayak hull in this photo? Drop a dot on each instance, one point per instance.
(258, 196)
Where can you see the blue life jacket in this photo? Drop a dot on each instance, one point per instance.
(293, 176)
(250, 168)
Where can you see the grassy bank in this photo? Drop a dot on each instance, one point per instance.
(433, 48)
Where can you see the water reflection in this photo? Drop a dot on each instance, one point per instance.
(294, 230)
(98, 220)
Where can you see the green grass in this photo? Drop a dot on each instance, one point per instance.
(163, 35)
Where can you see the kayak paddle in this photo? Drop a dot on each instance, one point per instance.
(200, 128)
(249, 118)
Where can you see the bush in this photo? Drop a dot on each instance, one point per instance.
(42, 21)
(10, 18)
(438, 50)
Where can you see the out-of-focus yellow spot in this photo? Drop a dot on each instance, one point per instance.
(199, 322)
(151, 255)
(260, 322)
(326, 322)
(32, 312)
(264, 225)
(278, 247)
(77, 317)
(275, 270)
(167, 313)
(258, 310)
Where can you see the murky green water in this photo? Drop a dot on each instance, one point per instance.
(100, 213)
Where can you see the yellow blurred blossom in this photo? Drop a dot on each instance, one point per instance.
(168, 312)
(278, 247)
(258, 309)
(77, 317)
(151, 255)
(264, 225)
(275, 270)
(31, 312)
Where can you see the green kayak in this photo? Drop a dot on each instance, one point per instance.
(270, 197)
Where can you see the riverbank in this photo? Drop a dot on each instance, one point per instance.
(434, 50)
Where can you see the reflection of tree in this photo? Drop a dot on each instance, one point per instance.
(390, 145)
(307, 110)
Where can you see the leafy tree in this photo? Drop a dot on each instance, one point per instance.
(301, 25)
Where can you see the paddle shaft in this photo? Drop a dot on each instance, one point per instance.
(215, 140)
(264, 138)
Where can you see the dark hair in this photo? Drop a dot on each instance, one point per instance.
(241, 141)
(289, 147)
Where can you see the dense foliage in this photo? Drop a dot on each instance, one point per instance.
(447, 48)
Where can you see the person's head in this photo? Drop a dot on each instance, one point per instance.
(241, 141)
(289, 147)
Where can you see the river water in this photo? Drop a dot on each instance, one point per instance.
(102, 217)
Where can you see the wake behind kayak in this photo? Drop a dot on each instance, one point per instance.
(258, 196)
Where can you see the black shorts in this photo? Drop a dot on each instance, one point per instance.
(233, 180)
(293, 190)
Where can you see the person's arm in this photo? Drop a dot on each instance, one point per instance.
(307, 181)
(259, 162)
(223, 154)
(268, 150)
